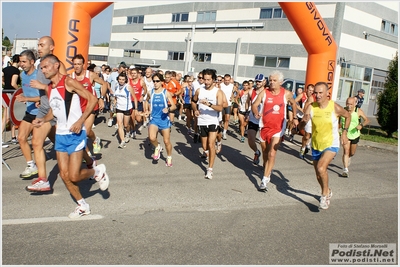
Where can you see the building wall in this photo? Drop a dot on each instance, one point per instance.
(275, 37)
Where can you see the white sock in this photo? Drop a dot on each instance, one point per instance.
(224, 131)
(31, 163)
(82, 202)
(266, 179)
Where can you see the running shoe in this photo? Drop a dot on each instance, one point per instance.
(29, 171)
(263, 185)
(204, 155)
(133, 135)
(157, 152)
(218, 147)
(110, 122)
(14, 141)
(287, 132)
(126, 140)
(345, 173)
(96, 145)
(116, 126)
(80, 211)
(122, 145)
(209, 174)
(4, 145)
(324, 203)
(168, 162)
(291, 137)
(224, 136)
(102, 177)
(256, 159)
(307, 150)
(302, 152)
(242, 139)
(39, 185)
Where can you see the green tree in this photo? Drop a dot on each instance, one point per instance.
(388, 100)
(6, 42)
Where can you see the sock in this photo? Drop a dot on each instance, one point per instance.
(345, 169)
(218, 143)
(266, 179)
(210, 169)
(82, 202)
(31, 163)
(169, 157)
(224, 131)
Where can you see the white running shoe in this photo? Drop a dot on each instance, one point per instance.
(29, 171)
(157, 152)
(39, 185)
(345, 172)
(126, 139)
(80, 211)
(324, 203)
(110, 122)
(96, 145)
(263, 185)
(224, 136)
(102, 177)
(122, 144)
(209, 174)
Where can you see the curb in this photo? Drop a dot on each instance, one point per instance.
(378, 145)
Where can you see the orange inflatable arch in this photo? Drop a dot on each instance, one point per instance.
(71, 32)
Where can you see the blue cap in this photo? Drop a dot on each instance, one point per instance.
(259, 77)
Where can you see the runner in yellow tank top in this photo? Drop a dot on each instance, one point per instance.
(324, 115)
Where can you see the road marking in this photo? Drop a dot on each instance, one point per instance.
(50, 219)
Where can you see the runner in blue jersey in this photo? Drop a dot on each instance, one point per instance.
(159, 119)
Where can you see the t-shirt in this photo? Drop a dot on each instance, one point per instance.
(8, 73)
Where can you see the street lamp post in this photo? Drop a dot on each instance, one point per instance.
(15, 44)
(38, 34)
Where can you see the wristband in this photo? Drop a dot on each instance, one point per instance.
(295, 118)
(346, 129)
(210, 104)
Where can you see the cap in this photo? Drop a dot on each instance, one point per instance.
(122, 65)
(131, 67)
(361, 91)
(259, 77)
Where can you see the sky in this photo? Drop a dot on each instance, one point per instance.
(33, 20)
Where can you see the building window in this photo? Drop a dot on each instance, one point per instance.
(272, 13)
(179, 17)
(176, 56)
(202, 57)
(273, 62)
(389, 27)
(132, 53)
(353, 78)
(206, 16)
(135, 20)
(98, 58)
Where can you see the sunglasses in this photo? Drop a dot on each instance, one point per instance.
(156, 81)
(219, 80)
(200, 77)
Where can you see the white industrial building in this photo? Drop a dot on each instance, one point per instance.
(246, 38)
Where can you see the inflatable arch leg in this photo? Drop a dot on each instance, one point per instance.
(317, 40)
(70, 28)
(71, 32)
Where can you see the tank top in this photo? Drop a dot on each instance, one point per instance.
(123, 96)
(158, 101)
(353, 132)
(208, 116)
(137, 87)
(187, 98)
(29, 91)
(243, 99)
(324, 124)
(227, 89)
(65, 106)
(273, 110)
(88, 86)
(253, 98)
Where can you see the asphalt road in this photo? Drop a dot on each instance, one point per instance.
(153, 214)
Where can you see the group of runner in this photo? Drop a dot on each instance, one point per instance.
(152, 100)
